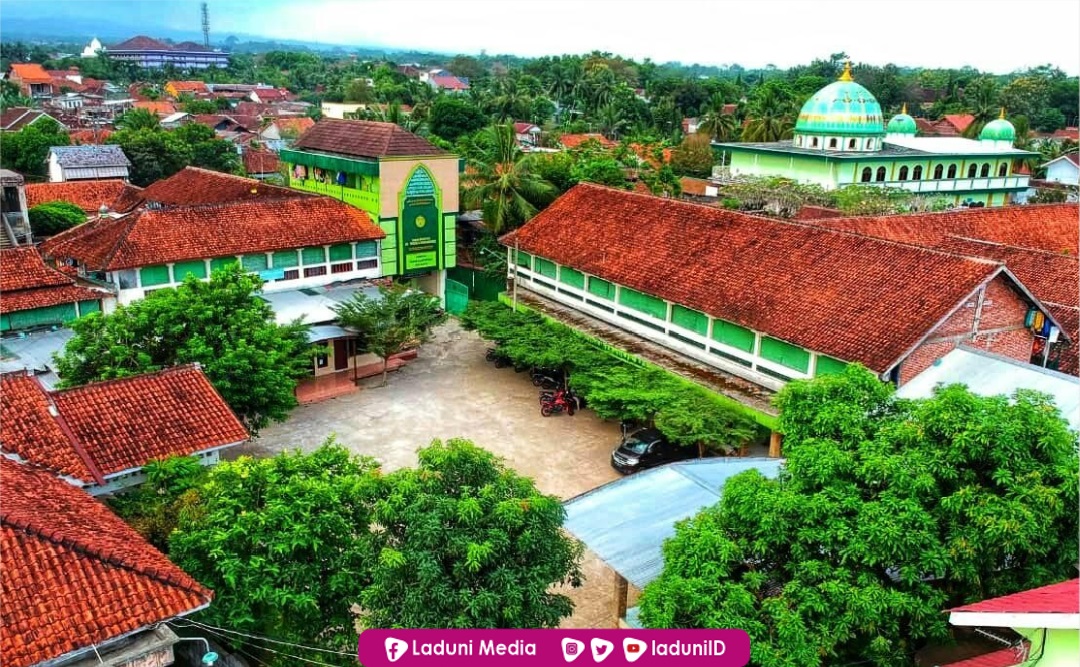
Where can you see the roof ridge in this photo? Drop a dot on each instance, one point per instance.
(80, 451)
(168, 370)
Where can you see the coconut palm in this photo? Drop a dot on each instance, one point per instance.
(501, 182)
(981, 99)
(137, 119)
(718, 125)
(610, 121)
(770, 118)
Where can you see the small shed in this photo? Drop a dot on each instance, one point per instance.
(73, 163)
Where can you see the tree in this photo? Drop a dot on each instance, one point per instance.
(358, 90)
(466, 66)
(286, 545)
(222, 324)
(771, 113)
(716, 124)
(398, 320)
(888, 511)
(451, 117)
(27, 150)
(54, 217)
(467, 543)
(693, 157)
(194, 106)
(139, 119)
(981, 99)
(503, 182)
(153, 508)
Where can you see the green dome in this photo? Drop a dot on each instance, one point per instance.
(901, 123)
(998, 130)
(843, 108)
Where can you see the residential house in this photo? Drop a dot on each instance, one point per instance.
(765, 301)
(399, 178)
(690, 125)
(14, 218)
(269, 95)
(100, 435)
(35, 296)
(949, 125)
(527, 134)
(1038, 244)
(80, 586)
(32, 79)
(699, 187)
(14, 119)
(1065, 169)
(261, 164)
(281, 132)
(175, 89)
(198, 220)
(575, 140)
(160, 108)
(72, 163)
(441, 79)
(1041, 627)
(173, 121)
(146, 52)
(92, 196)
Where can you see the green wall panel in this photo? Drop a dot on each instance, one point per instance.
(313, 256)
(785, 354)
(690, 319)
(285, 259)
(644, 303)
(545, 267)
(196, 268)
(524, 259)
(367, 249)
(340, 252)
(87, 307)
(737, 337)
(254, 262)
(219, 263)
(828, 365)
(41, 317)
(601, 288)
(154, 275)
(572, 277)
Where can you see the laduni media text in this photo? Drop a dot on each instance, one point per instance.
(482, 647)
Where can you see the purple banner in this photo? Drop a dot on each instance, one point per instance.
(480, 648)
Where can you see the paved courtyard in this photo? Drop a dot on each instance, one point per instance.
(451, 391)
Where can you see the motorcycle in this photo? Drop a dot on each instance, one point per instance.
(494, 355)
(561, 400)
(545, 379)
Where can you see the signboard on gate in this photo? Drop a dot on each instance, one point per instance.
(419, 223)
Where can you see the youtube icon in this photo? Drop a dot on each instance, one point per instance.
(633, 648)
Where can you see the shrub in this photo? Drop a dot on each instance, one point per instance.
(54, 217)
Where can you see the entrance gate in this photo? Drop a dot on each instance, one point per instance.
(457, 297)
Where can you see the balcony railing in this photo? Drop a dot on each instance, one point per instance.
(366, 201)
(1017, 182)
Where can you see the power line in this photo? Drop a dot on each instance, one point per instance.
(268, 639)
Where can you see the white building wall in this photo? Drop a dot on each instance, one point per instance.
(1063, 171)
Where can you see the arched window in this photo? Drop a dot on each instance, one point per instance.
(1003, 170)
(880, 174)
(916, 174)
(952, 171)
(985, 171)
(972, 170)
(813, 142)
(938, 171)
(852, 143)
(903, 173)
(866, 173)
(832, 142)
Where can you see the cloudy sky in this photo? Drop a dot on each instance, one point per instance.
(992, 35)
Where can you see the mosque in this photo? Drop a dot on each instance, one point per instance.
(841, 138)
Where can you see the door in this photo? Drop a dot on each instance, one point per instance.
(341, 354)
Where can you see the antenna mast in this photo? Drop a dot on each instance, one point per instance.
(206, 25)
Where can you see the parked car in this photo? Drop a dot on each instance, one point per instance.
(647, 448)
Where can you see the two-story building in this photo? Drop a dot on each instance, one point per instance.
(143, 51)
(32, 79)
(404, 182)
(840, 139)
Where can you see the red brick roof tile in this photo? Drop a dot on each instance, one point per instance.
(187, 86)
(193, 186)
(30, 73)
(89, 195)
(959, 121)
(73, 574)
(297, 125)
(118, 425)
(364, 138)
(261, 162)
(575, 140)
(1060, 598)
(140, 43)
(844, 295)
(156, 106)
(22, 268)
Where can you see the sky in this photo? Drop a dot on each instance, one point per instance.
(992, 35)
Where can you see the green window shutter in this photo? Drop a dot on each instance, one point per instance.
(601, 288)
(5, 322)
(524, 259)
(690, 319)
(87, 307)
(572, 277)
(285, 259)
(785, 354)
(40, 317)
(367, 249)
(644, 303)
(737, 337)
(196, 268)
(313, 256)
(254, 263)
(340, 252)
(829, 366)
(545, 267)
(154, 275)
(220, 263)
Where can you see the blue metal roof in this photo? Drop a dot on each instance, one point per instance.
(626, 522)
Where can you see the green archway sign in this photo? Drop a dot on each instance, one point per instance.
(419, 228)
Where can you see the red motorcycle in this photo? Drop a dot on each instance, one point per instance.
(558, 401)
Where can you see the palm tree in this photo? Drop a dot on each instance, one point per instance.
(137, 119)
(770, 119)
(610, 120)
(501, 181)
(718, 125)
(981, 98)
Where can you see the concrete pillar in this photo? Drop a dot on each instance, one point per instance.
(621, 594)
(774, 444)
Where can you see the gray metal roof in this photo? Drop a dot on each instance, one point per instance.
(626, 522)
(89, 156)
(988, 374)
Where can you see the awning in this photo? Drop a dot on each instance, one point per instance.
(328, 332)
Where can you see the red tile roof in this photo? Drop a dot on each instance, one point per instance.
(575, 140)
(30, 73)
(251, 108)
(27, 283)
(140, 43)
(449, 83)
(844, 295)
(959, 121)
(522, 128)
(113, 426)
(16, 118)
(194, 186)
(364, 138)
(297, 125)
(84, 137)
(270, 95)
(159, 107)
(1006, 657)
(261, 162)
(1067, 133)
(1060, 598)
(187, 86)
(695, 187)
(74, 574)
(89, 195)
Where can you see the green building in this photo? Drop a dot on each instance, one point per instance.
(841, 138)
(408, 187)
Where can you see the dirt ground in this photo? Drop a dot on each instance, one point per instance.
(451, 391)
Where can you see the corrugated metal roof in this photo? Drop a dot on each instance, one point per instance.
(626, 522)
(988, 374)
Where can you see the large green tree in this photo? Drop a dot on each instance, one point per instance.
(222, 324)
(503, 182)
(467, 543)
(54, 217)
(156, 153)
(26, 151)
(453, 116)
(888, 512)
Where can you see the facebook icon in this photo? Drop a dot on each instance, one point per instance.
(395, 648)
